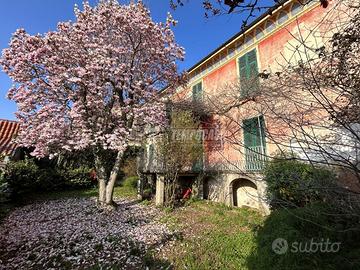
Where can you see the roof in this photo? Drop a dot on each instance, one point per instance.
(269, 11)
(8, 131)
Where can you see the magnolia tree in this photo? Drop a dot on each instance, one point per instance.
(93, 83)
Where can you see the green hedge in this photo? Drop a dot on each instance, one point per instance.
(291, 183)
(79, 178)
(26, 176)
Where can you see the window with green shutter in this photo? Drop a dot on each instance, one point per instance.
(248, 70)
(197, 92)
(254, 131)
(254, 143)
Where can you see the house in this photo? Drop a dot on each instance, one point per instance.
(8, 148)
(233, 161)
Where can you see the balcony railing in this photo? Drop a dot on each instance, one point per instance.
(254, 161)
(255, 158)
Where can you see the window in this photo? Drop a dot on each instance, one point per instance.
(269, 26)
(248, 71)
(239, 45)
(231, 52)
(254, 143)
(254, 132)
(197, 92)
(283, 16)
(249, 40)
(259, 33)
(296, 8)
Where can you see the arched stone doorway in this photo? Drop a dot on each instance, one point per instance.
(210, 188)
(206, 188)
(244, 193)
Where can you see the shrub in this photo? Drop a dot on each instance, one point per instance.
(147, 194)
(293, 183)
(130, 182)
(129, 167)
(5, 192)
(49, 179)
(21, 176)
(312, 223)
(26, 176)
(79, 178)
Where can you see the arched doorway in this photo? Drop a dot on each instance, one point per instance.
(244, 193)
(206, 188)
(210, 188)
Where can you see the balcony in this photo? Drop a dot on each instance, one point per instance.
(255, 158)
(253, 161)
(152, 162)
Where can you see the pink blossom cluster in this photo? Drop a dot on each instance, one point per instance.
(93, 82)
(75, 234)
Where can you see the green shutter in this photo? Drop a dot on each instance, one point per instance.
(254, 135)
(254, 142)
(243, 74)
(262, 130)
(253, 71)
(248, 70)
(197, 91)
(247, 133)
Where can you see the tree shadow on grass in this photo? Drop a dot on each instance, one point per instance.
(306, 239)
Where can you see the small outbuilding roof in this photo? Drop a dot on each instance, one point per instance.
(8, 131)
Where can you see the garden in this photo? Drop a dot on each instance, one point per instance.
(66, 229)
(90, 175)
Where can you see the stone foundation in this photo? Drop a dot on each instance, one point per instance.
(233, 189)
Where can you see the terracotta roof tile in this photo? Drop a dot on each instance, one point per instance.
(8, 131)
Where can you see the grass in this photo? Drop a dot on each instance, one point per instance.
(127, 188)
(214, 236)
(294, 226)
(218, 237)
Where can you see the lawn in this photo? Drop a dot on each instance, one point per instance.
(211, 236)
(60, 229)
(214, 236)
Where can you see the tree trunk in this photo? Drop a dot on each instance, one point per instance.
(106, 185)
(102, 191)
(101, 175)
(113, 175)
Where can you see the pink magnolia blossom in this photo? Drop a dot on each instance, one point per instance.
(93, 82)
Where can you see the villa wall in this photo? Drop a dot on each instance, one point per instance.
(274, 50)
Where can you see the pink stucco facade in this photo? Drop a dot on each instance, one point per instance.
(274, 38)
(273, 51)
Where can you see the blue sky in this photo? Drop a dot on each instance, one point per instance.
(195, 33)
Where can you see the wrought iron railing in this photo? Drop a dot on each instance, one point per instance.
(253, 161)
(255, 158)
